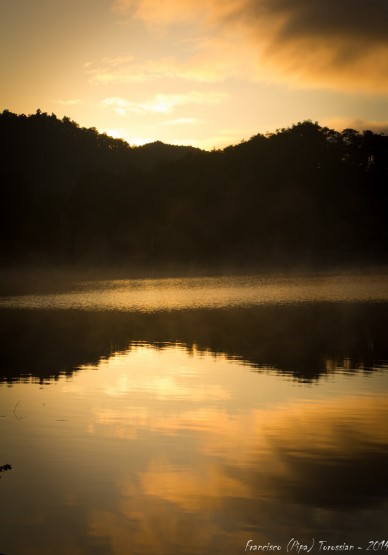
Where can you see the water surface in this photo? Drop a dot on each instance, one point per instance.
(147, 295)
(188, 418)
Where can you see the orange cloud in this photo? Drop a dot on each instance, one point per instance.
(358, 124)
(70, 102)
(162, 103)
(340, 45)
(180, 121)
(213, 60)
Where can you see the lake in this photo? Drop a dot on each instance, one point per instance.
(186, 416)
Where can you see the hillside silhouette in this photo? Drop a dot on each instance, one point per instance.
(302, 193)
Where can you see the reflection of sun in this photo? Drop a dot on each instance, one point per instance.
(145, 375)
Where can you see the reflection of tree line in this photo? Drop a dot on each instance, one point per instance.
(69, 192)
(305, 341)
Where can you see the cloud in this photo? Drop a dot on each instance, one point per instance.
(210, 64)
(119, 105)
(162, 103)
(358, 124)
(169, 12)
(331, 43)
(340, 44)
(181, 121)
(124, 69)
(71, 102)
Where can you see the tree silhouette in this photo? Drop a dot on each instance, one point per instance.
(302, 193)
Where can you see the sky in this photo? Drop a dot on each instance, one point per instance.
(204, 73)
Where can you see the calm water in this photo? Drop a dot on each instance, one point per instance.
(190, 416)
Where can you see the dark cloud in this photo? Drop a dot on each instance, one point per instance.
(346, 20)
(332, 42)
(340, 44)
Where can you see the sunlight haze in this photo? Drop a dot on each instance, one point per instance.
(204, 74)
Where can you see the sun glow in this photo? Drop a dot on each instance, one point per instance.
(150, 72)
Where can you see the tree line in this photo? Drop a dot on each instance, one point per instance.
(304, 192)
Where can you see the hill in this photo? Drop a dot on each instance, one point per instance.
(303, 193)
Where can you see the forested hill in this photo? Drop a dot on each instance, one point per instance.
(52, 154)
(303, 193)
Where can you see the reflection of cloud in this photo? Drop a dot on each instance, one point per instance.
(161, 103)
(329, 455)
(310, 454)
(325, 42)
(189, 488)
(270, 470)
(305, 453)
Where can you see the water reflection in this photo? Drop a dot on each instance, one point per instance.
(250, 411)
(306, 340)
(162, 451)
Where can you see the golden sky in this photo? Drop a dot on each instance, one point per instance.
(207, 73)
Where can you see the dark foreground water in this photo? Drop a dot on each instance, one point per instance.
(195, 416)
